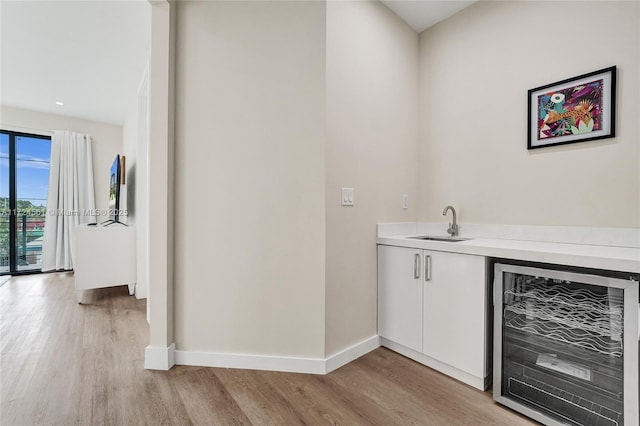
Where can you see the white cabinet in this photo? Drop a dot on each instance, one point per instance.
(454, 311)
(400, 295)
(432, 308)
(105, 256)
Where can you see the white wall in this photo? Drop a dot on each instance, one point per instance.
(134, 147)
(160, 312)
(129, 150)
(107, 141)
(475, 70)
(372, 97)
(250, 177)
(280, 104)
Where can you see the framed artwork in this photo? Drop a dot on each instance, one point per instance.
(574, 110)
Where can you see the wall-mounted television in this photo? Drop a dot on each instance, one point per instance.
(116, 179)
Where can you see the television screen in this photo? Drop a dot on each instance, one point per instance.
(114, 189)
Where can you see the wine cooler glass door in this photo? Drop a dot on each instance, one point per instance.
(566, 346)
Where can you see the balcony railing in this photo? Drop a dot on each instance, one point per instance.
(29, 233)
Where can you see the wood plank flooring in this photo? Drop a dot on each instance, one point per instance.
(68, 364)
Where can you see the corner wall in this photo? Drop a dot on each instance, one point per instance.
(475, 70)
(249, 178)
(372, 99)
(135, 135)
(161, 82)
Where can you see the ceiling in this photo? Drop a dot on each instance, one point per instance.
(90, 55)
(422, 14)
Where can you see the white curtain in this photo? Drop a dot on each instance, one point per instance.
(71, 200)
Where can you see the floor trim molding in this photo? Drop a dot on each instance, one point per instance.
(277, 363)
(159, 358)
(351, 353)
(251, 362)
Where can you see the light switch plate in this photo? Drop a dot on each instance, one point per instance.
(405, 201)
(347, 197)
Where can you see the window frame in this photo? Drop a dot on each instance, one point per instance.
(13, 230)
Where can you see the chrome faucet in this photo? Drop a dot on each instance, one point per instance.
(453, 227)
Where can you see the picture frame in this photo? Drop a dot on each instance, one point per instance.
(577, 109)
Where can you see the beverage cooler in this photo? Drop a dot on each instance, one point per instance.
(566, 345)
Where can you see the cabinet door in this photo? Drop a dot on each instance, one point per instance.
(454, 310)
(400, 295)
(105, 256)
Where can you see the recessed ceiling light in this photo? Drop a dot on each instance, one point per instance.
(59, 103)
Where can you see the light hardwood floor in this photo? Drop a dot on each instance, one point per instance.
(69, 364)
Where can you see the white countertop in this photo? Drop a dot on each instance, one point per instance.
(625, 259)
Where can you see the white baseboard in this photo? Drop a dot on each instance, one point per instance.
(345, 356)
(159, 358)
(477, 382)
(277, 363)
(251, 362)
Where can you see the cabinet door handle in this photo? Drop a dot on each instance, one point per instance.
(416, 265)
(427, 268)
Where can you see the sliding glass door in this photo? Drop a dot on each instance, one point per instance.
(24, 179)
(4, 204)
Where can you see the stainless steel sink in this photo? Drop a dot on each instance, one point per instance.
(446, 239)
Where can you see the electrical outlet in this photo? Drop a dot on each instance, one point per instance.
(405, 201)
